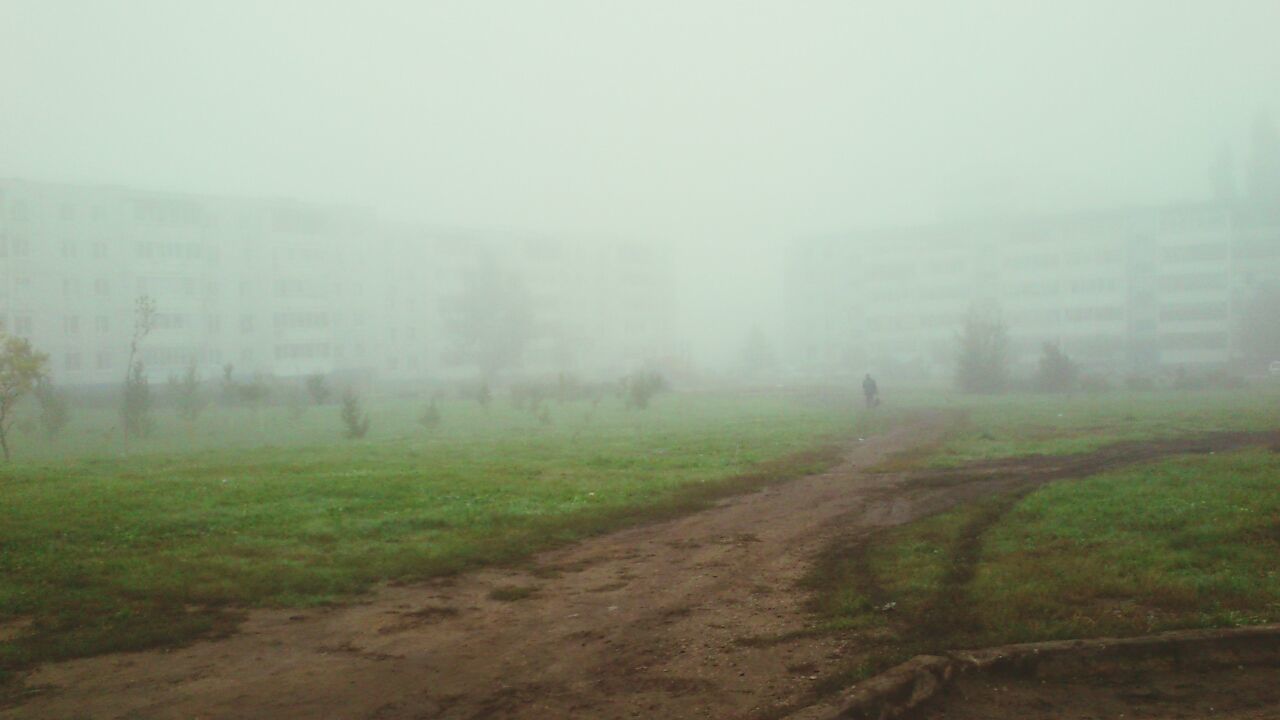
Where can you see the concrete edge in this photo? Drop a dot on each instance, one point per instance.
(902, 688)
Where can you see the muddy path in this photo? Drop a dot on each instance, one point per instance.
(688, 618)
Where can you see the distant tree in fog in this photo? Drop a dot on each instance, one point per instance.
(490, 319)
(21, 368)
(355, 421)
(641, 387)
(186, 394)
(982, 363)
(430, 416)
(1057, 371)
(1260, 325)
(55, 412)
(318, 389)
(135, 408)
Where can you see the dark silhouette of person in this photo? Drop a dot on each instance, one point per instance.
(870, 391)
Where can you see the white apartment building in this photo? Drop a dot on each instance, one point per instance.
(287, 288)
(1121, 291)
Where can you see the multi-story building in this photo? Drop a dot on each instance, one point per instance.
(287, 288)
(1120, 291)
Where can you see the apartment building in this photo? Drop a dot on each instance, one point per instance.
(1121, 291)
(287, 288)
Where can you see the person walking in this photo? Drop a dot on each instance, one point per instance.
(870, 392)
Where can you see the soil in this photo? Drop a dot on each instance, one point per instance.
(689, 618)
(1232, 693)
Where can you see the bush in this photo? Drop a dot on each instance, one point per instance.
(982, 363)
(430, 416)
(318, 389)
(641, 387)
(354, 419)
(54, 411)
(1058, 372)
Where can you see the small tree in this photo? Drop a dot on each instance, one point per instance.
(228, 384)
(354, 419)
(430, 417)
(21, 368)
(640, 387)
(253, 393)
(983, 358)
(135, 410)
(318, 389)
(187, 396)
(54, 411)
(1058, 372)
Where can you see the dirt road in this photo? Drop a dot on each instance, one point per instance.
(689, 618)
(659, 620)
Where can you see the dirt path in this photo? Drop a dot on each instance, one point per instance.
(1230, 693)
(689, 618)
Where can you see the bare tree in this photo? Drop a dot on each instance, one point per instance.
(1057, 372)
(983, 359)
(187, 396)
(21, 367)
(135, 410)
(54, 410)
(354, 419)
(318, 389)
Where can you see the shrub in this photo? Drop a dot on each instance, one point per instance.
(1058, 372)
(318, 389)
(430, 416)
(641, 387)
(135, 411)
(54, 411)
(354, 419)
(982, 364)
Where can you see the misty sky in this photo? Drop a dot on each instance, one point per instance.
(714, 125)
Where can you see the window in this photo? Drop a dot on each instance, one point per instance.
(71, 325)
(246, 323)
(103, 360)
(72, 362)
(102, 324)
(102, 286)
(22, 325)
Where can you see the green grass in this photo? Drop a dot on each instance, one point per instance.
(100, 552)
(1184, 543)
(1007, 426)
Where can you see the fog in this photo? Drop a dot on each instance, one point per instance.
(722, 139)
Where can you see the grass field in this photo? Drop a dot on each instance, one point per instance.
(1008, 426)
(1190, 541)
(102, 552)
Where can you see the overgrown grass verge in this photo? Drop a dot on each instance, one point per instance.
(109, 554)
(1188, 542)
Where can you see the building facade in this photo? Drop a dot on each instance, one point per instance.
(286, 288)
(1121, 292)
